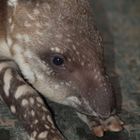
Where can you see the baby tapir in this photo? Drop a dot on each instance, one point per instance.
(52, 47)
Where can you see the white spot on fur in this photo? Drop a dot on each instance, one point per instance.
(47, 126)
(96, 89)
(83, 56)
(69, 59)
(37, 4)
(105, 89)
(44, 109)
(39, 100)
(77, 52)
(56, 49)
(32, 138)
(62, 83)
(24, 102)
(23, 37)
(34, 134)
(49, 119)
(38, 25)
(12, 3)
(56, 86)
(39, 33)
(7, 81)
(43, 135)
(24, 66)
(52, 49)
(68, 83)
(33, 113)
(44, 118)
(10, 20)
(19, 36)
(36, 12)
(22, 90)
(12, 27)
(59, 36)
(95, 70)
(25, 115)
(68, 40)
(31, 17)
(27, 24)
(31, 100)
(9, 41)
(13, 109)
(82, 63)
(36, 121)
(96, 77)
(73, 46)
(31, 126)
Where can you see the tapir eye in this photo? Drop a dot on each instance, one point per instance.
(58, 60)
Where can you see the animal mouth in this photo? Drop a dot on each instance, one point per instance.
(98, 123)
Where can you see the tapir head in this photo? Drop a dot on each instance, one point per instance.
(59, 51)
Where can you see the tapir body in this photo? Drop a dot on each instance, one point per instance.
(57, 50)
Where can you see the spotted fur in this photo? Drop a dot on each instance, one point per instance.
(32, 32)
(26, 104)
